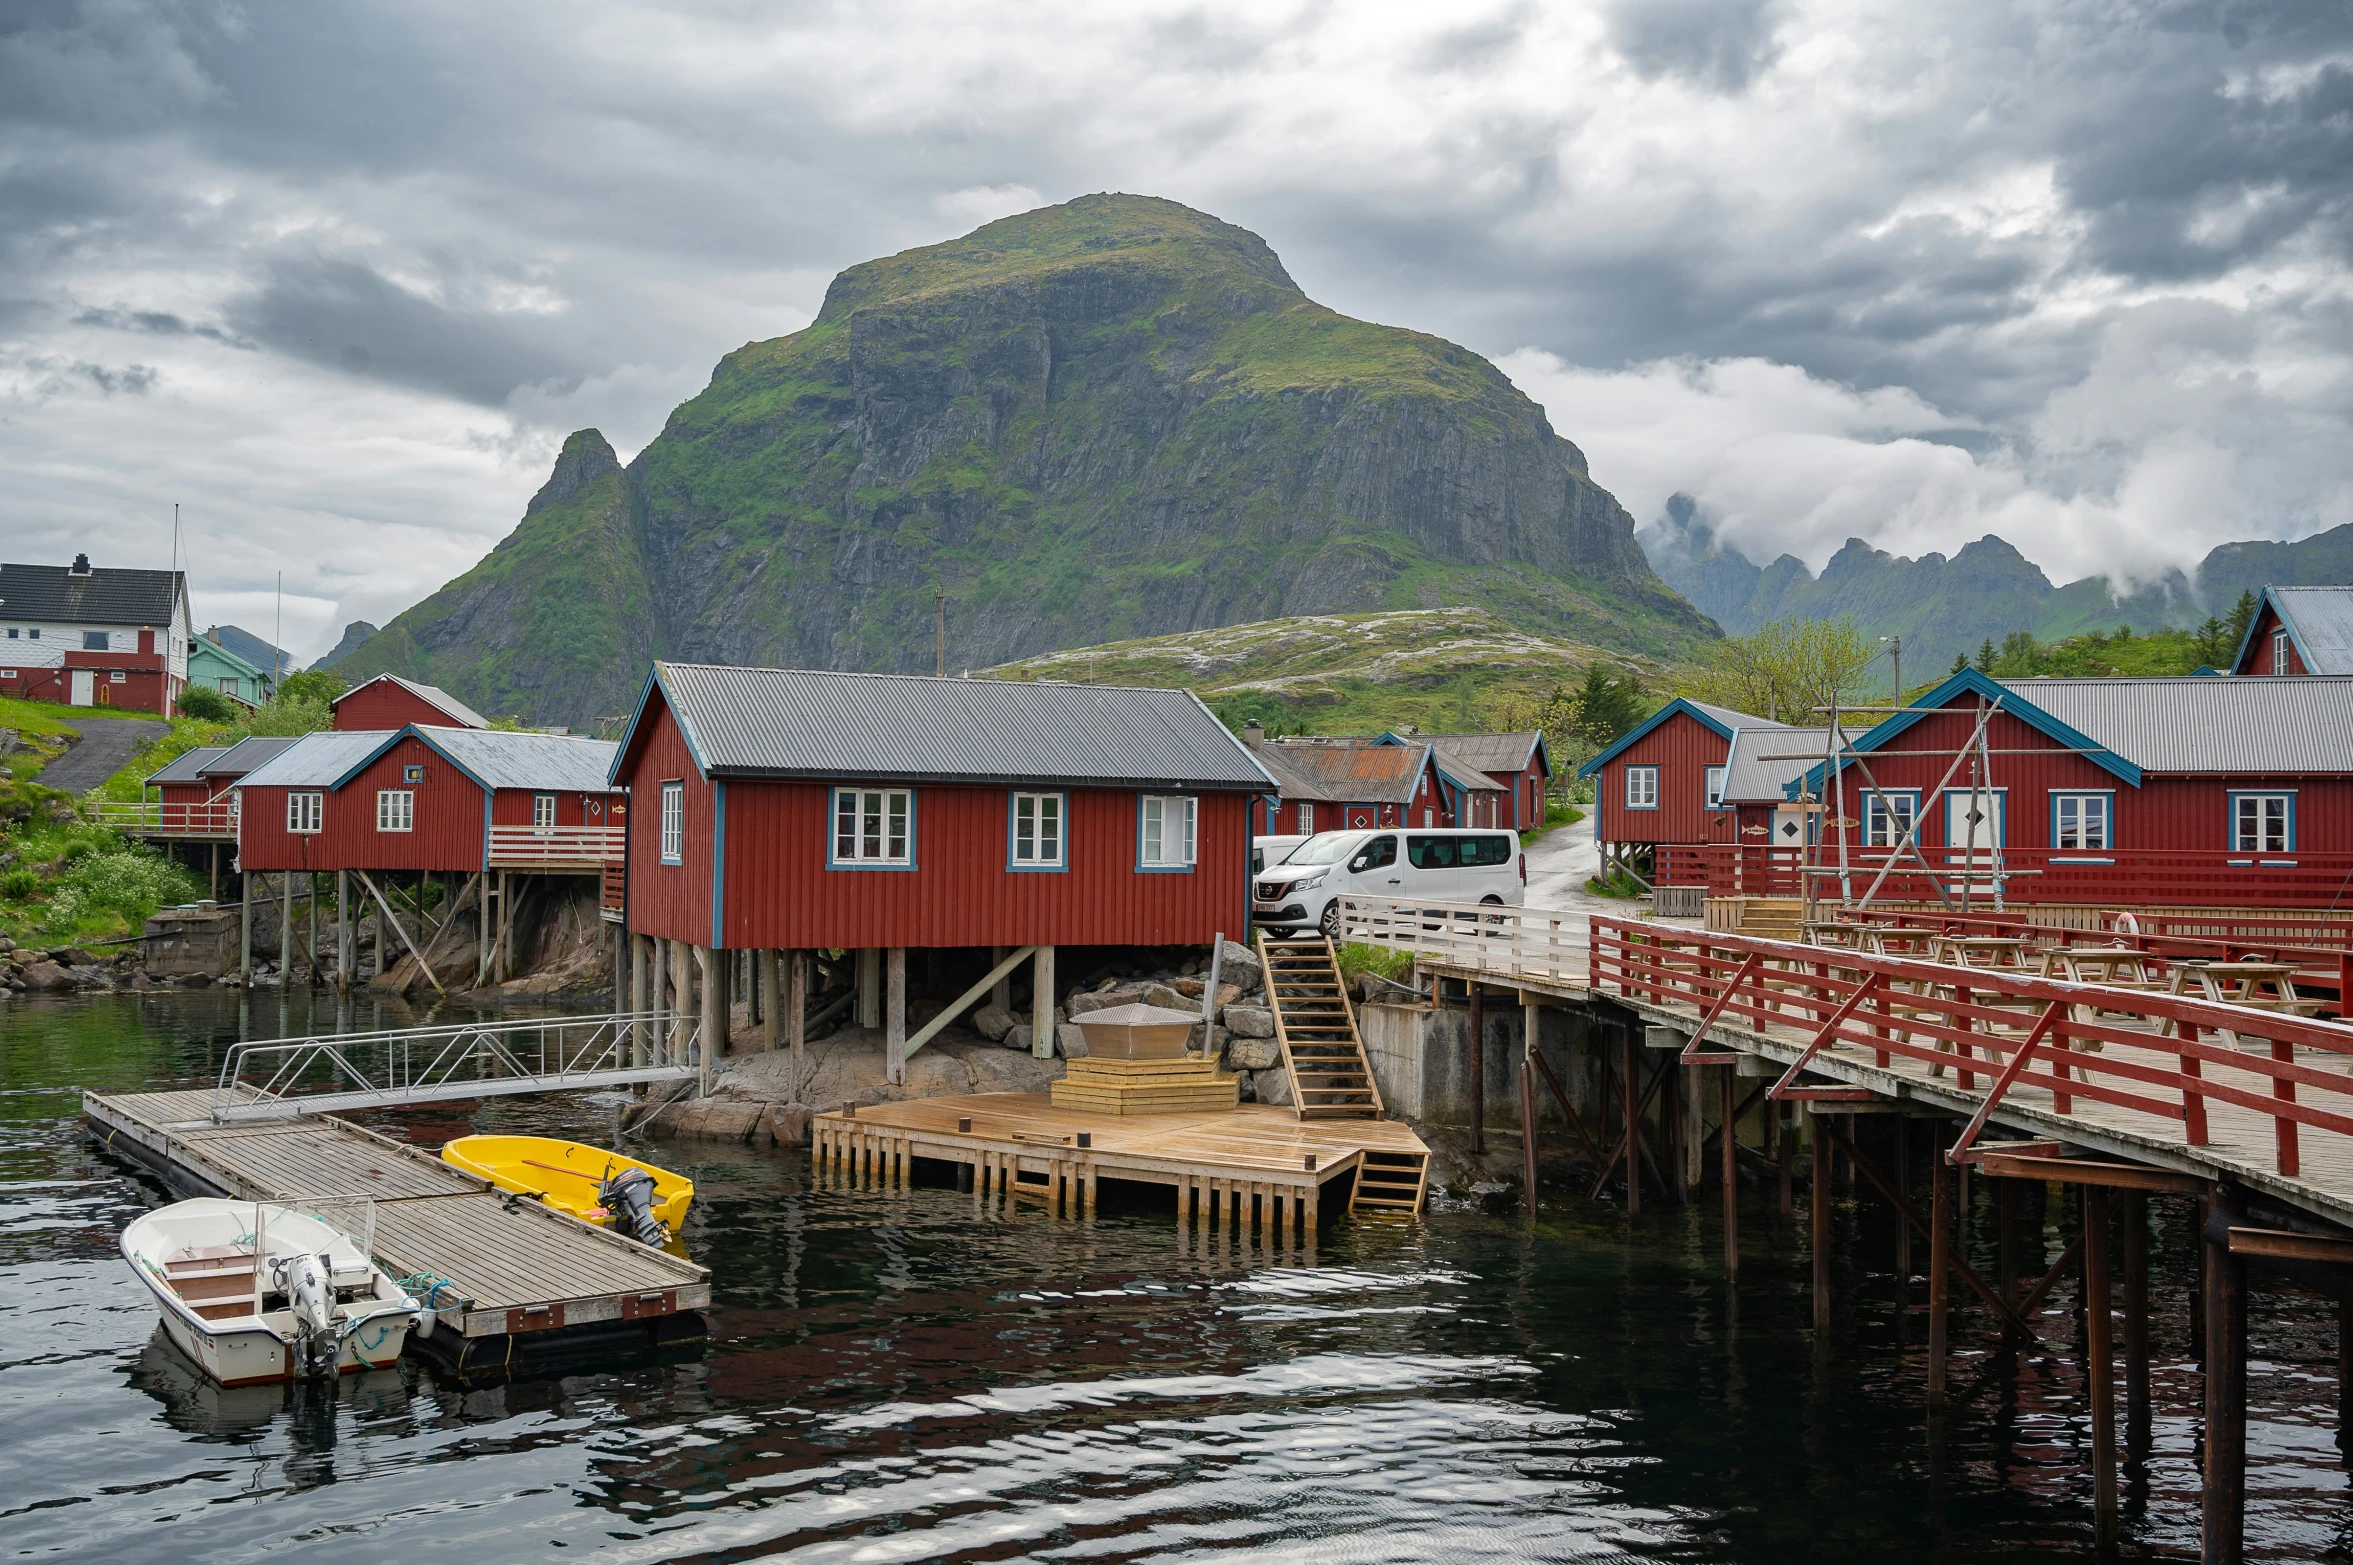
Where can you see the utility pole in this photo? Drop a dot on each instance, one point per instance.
(940, 605)
(1895, 649)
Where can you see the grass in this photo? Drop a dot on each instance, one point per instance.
(1380, 961)
(1555, 817)
(1617, 883)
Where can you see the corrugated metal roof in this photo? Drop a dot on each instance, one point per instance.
(1488, 752)
(2321, 621)
(1460, 772)
(54, 594)
(187, 768)
(318, 760)
(246, 754)
(784, 722)
(512, 760)
(432, 694)
(1751, 778)
(1734, 719)
(1344, 771)
(2208, 725)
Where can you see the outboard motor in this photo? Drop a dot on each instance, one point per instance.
(307, 1282)
(629, 1196)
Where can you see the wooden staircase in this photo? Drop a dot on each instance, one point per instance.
(1394, 1182)
(1316, 1026)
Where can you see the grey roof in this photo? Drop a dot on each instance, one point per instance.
(1344, 771)
(55, 594)
(246, 754)
(1751, 778)
(251, 650)
(512, 760)
(430, 693)
(780, 722)
(318, 760)
(1488, 752)
(187, 767)
(1731, 718)
(1461, 772)
(2238, 725)
(2321, 621)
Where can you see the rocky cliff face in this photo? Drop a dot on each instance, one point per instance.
(1109, 419)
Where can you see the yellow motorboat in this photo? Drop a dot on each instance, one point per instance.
(591, 1183)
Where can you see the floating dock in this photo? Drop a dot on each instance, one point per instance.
(1256, 1166)
(535, 1282)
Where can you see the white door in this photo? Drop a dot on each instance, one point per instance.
(1789, 827)
(81, 686)
(1973, 820)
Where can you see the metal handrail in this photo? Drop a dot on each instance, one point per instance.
(280, 1078)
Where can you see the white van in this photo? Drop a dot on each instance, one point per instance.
(1271, 850)
(1392, 864)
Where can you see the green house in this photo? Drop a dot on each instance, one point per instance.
(213, 665)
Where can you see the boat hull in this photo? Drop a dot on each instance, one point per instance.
(564, 1174)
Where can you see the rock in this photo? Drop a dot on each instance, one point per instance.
(1270, 1086)
(1253, 1054)
(1217, 1039)
(783, 1125)
(1174, 999)
(1104, 999)
(1250, 1021)
(71, 956)
(47, 978)
(720, 1119)
(1070, 1042)
(992, 1022)
(1238, 964)
(1018, 1037)
(1191, 989)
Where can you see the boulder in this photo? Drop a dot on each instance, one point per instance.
(1270, 1086)
(1239, 965)
(719, 1119)
(47, 978)
(1104, 999)
(1069, 1041)
(1191, 989)
(1253, 1054)
(784, 1125)
(1018, 1036)
(1217, 1039)
(992, 1022)
(71, 956)
(1250, 1021)
(1173, 999)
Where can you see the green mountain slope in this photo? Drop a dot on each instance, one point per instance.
(1945, 608)
(1114, 418)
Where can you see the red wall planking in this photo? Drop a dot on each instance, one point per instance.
(670, 901)
(381, 706)
(447, 833)
(1682, 748)
(2259, 647)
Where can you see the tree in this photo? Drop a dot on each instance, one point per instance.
(1788, 670)
(1608, 704)
(1960, 661)
(2242, 615)
(313, 684)
(206, 705)
(2213, 644)
(1985, 656)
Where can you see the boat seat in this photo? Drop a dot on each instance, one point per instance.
(232, 1310)
(216, 1285)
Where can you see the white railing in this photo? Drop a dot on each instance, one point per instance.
(169, 820)
(281, 1079)
(524, 846)
(1544, 944)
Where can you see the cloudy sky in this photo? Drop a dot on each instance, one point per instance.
(338, 278)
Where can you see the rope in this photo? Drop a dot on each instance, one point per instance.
(426, 1288)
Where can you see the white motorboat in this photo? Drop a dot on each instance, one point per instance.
(259, 1291)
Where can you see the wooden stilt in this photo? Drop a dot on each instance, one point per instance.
(1478, 1074)
(2345, 1376)
(2135, 1205)
(2099, 1364)
(2006, 1238)
(1633, 1129)
(1731, 1177)
(1818, 1194)
(1940, 1269)
(796, 1019)
(2223, 1502)
(1903, 1231)
(869, 979)
(245, 928)
(1777, 1115)
(1528, 1109)
(894, 1019)
(343, 929)
(1041, 1004)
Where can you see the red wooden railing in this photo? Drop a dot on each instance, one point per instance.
(614, 888)
(2121, 878)
(2161, 1058)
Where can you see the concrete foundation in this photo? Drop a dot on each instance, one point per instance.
(1421, 1058)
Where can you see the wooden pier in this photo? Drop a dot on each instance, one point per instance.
(525, 1281)
(1258, 1166)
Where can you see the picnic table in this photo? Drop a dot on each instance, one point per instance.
(2258, 986)
(2118, 967)
(1985, 952)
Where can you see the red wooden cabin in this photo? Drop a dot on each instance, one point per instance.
(1343, 784)
(1516, 763)
(86, 635)
(1661, 785)
(389, 702)
(2299, 630)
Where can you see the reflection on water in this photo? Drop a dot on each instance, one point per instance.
(901, 1377)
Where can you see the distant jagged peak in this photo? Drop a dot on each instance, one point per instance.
(587, 456)
(1096, 227)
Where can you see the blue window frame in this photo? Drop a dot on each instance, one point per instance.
(2263, 822)
(873, 828)
(1642, 787)
(2083, 821)
(1037, 832)
(1166, 833)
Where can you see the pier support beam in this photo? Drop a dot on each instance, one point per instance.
(796, 1032)
(1626, 1089)
(894, 1019)
(1731, 1151)
(636, 953)
(343, 929)
(1530, 1018)
(245, 928)
(1041, 1004)
(1478, 1073)
(772, 987)
(2099, 1364)
(869, 987)
(1818, 1194)
(2135, 1204)
(1940, 1265)
(714, 998)
(2223, 1503)
(1001, 995)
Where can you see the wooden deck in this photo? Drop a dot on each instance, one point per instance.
(1258, 1165)
(523, 1268)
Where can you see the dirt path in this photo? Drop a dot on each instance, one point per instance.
(107, 745)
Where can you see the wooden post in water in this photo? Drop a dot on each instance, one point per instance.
(640, 976)
(2006, 1245)
(894, 1018)
(245, 928)
(1784, 1126)
(343, 929)
(1903, 1231)
(1628, 1091)
(796, 1014)
(285, 930)
(2345, 1376)
(1940, 1265)
(2136, 1321)
(1478, 1073)
(2223, 1503)
(1731, 1151)
(1818, 1192)
(1529, 1015)
(2099, 1364)
(714, 998)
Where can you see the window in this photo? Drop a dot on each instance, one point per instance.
(1888, 818)
(1482, 851)
(1642, 787)
(1165, 831)
(673, 822)
(1429, 817)
(12, 632)
(94, 641)
(874, 826)
(2080, 821)
(34, 633)
(1431, 852)
(1715, 787)
(1037, 831)
(117, 677)
(303, 811)
(2263, 822)
(543, 810)
(396, 810)
(414, 774)
(1306, 819)
(1379, 853)
(229, 685)
(2279, 651)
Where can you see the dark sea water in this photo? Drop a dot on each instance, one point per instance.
(899, 1377)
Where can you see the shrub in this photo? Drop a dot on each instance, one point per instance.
(1396, 966)
(207, 705)
(19, 883)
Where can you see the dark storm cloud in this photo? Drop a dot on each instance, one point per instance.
(1717, 43)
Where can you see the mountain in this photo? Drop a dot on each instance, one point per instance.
(1113, 418)
(355, 633)
(254, 650)
(1341, 673)
(1947, 607)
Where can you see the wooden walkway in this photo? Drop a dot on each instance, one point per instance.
(526, 1273)
(1258, 1166)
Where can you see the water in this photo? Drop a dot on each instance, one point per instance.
(894, 1378)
